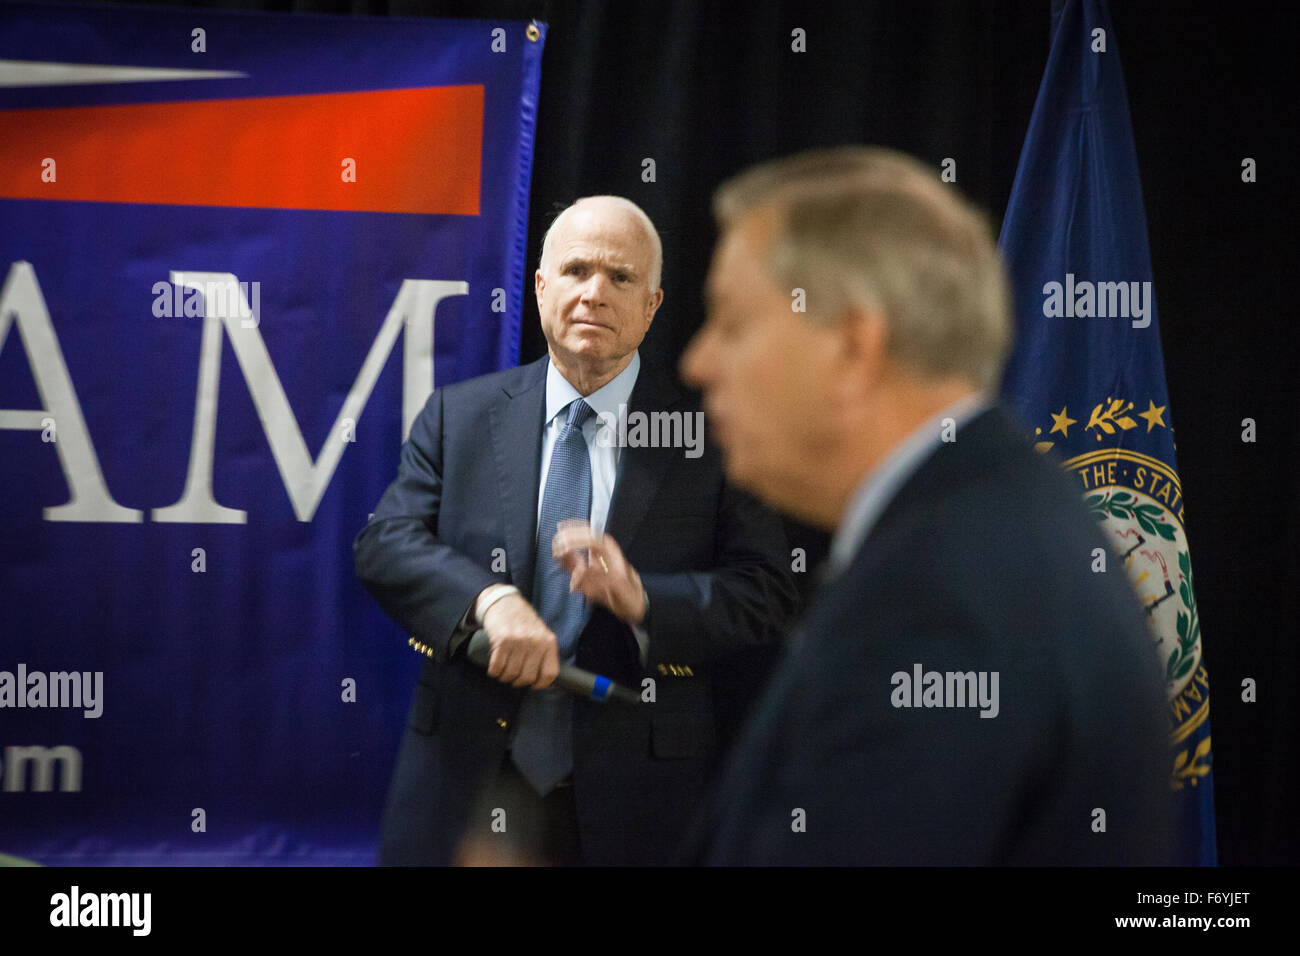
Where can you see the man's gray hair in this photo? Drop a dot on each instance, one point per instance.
(876, 229)
(656, 247)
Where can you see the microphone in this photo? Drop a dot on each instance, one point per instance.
(573, 679)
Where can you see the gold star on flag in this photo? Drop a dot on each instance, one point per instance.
(1061, 423)
(1152, 415)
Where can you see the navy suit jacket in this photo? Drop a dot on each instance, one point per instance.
(713, 563)
(981, 562)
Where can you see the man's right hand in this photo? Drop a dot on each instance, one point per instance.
(524, 650)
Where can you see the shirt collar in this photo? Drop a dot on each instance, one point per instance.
(875, 491)
(606, 399)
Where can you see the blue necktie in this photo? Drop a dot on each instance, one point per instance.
(543, 743)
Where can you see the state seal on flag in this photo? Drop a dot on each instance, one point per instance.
(1137, 500)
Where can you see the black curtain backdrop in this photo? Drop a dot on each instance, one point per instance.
(705, 89)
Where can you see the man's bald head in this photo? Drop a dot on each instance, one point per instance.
(617, 207)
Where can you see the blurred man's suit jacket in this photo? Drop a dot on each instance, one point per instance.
(713, 563)
(981, 562)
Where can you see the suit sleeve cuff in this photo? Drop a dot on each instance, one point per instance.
(464, 629)
(676, 599)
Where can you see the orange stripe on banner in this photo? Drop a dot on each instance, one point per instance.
(415, 150)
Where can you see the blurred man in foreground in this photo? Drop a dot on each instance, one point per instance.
(964, 689)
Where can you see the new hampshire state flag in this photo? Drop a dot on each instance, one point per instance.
(1087, 375)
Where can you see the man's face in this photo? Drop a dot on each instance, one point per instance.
(594, 297)
(765, 371)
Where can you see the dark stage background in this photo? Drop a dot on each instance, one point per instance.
(705, 89)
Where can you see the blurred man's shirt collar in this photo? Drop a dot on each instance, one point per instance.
(879, 487)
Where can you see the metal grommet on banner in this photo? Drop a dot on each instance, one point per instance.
(533, 32)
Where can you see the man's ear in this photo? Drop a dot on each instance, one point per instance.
(656, 300)
(864, 344)
(539, 285)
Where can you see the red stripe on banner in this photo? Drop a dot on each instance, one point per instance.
(416, 151)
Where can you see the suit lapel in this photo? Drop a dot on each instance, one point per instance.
(641, 470)
(516, 422)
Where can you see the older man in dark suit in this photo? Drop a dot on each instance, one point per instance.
(572, 509)
(965, 689)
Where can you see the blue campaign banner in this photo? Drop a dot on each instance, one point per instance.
(239, 250)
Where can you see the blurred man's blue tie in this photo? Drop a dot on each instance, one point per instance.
(543, 744)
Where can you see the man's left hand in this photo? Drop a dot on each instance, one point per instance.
(598, 569)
